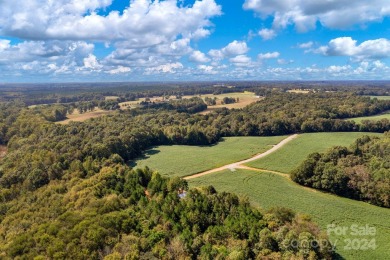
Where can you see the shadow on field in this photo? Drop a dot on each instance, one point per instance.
(145, 155)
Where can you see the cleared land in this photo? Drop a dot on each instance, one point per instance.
(296, 151)
(76, 116)
(269, 190)
(299, 91)
(111, 98)
(239, 164)
(359, 120)
(130, 104)
(381, 97)
(244, 99)
(182, 160)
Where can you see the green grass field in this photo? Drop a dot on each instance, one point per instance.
(268, 190)
(359, 120)
(381, 97)
(182, 160)
(293, 153)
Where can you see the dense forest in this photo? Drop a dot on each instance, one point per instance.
(360, 172)
(119, 213)
(67, 192)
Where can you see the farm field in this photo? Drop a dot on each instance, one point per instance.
(182, 160)
(292, 154)
(245, 98)
(381, 97)
(267, 190)
(358, 120)
(130, 104)
(76, 116)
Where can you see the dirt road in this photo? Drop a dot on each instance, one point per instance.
(238, 165)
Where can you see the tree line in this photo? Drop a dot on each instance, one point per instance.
(360, 172)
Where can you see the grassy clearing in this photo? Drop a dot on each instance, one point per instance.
(293, 153)
(269, 190)
(111, 98)
(245, 98)
(359, 120)
(76, 116)
(381, 97)
(182, 160)
(299, 91)
(131, 104)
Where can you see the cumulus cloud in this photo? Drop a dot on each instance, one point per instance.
(240, 59)
(91, 62)
(367, 50)
(207, 69)
(119, 70)
(59, 51)
(142, 23)
(305, 45)
(165, 68)
(268, 55)
(267, 34)
(199, 57)
(332, 14)
(232, 49)
(146, 34)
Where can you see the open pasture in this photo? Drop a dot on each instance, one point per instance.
(76, 116)
(359, 120)
(244, 99)
(183, 160)
(268, 190)
(292, 154)
(381, 97)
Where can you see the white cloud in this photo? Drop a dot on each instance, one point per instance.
(198, 57)
(338, 69)
(4, 44)
(59, 51)
(332, 14)
(268, 55)
(207, 69)
(267, 34)
(119, 70)
(91, 62)
(242, 61)
(235, 48)
(146, 34)
(232, 49)
(346, 46)
(165, 68)
(305, 45)
(143, 23)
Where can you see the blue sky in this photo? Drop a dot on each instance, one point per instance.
(144, 40)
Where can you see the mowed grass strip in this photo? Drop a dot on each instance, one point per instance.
(359, 120)
(268, 190)
(381, 97)
(293, 153)
(184, 160)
